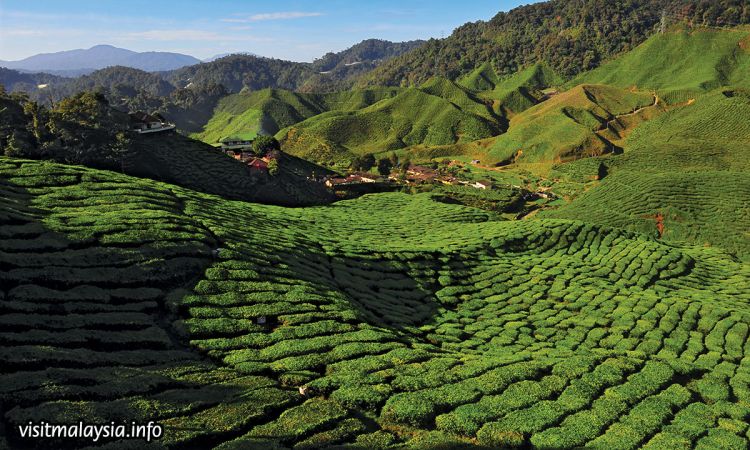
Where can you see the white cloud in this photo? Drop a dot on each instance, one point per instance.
(40, 32)
(191, 35)
(274, 16)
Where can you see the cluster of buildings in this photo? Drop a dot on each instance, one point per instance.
(414, 175)
(144, 123)
(242, 150)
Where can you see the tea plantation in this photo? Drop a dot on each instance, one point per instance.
(690, 165)
(243, 115)
(680, 64)
(438, 112)
(390, 321)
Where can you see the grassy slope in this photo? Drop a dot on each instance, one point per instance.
(437, 113)
(515, 93)
(680, 64)
(270, 110)
(450, 326)
(177, 159)
(692, 165)
(564, 127)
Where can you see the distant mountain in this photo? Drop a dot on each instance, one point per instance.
(368, 51)
(13, 80)
(98, 57)
(116, 81)
(334, 71)
(222, 55)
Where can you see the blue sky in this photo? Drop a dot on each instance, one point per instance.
(298, 30)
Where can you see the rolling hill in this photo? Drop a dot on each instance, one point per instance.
(437, 113)
(569, 126)
(270, 110)
(430, 325)
(690, 167)
(598, 296)
(236, 71)
(186, 162)
(516, 93)
(680, 64)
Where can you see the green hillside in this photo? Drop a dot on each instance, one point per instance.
(515, 93)
(439, 112)
(245, 114)
(569, 126)
(570, 36)
(186, 162)
(425, 325)
(680, 64)
(690, 165)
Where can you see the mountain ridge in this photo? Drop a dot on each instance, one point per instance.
(99, 57)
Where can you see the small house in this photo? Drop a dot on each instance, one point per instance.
(258, 164)
(482, 184)
(143, 123)
(236, 145)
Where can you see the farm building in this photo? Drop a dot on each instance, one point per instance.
(143, 123)
(257, 163)
(236, 145)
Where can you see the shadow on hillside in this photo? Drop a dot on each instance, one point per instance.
(383, 293)
(86, 336)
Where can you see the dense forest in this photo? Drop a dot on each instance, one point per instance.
(333, 71)
(570, 36)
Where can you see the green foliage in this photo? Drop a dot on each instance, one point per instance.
(680, 64)
(440, 112)
(236, 72)
(384, 166)
(262, 145)
(270, 110)
(551, 333)
(571, 37)
(688, 165)
(567, 127)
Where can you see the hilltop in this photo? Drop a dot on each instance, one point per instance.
(439, 112)
(236, 72)
(680, 64)
(86, 130)
(569, 126)
(270, 110)
(515, 93)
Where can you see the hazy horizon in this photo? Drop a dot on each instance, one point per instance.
(287, 29)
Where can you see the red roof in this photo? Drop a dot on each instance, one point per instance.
(258, 164)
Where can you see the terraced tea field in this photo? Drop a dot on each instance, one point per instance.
(422, 325)
(680, 64)
(690, 166)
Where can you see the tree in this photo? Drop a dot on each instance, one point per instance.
(394, 160)
(356, 164)
(384, 167)
(367, 161)
(264, 144)
(273, 167)
(12, 148)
